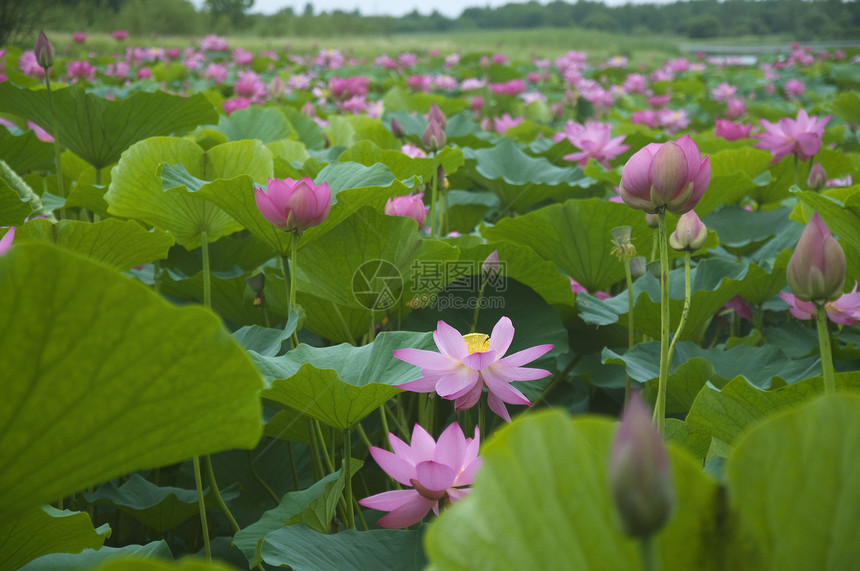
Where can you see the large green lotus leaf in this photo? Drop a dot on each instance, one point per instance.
(792, 487)
(739, 229)
(160, 508)
(304, 549)
(402, 166)
(25, 153)
(185, 564)
(136, 190)
(759, 365)
(576, 236)
(92, 558)
(465, 209)
(87, 196)
(13, 210)
(99, 130)
(524, 265)
(843, 219)
(727, 413)
(762, 283)
(337, 265)
(121, 244)
(235, 197)
(847, 106)
(341, 384)
(774, 183)
(521, 180)
(306, 128)
(404, 102)
(732, 174)
(346, 130)
(714, 282)
(333, 321)
(264, 123)
(232, 299)
(695, 440)
(103, 378)
(39, 531)
(288, 151)
(544, 489)
(314, 507)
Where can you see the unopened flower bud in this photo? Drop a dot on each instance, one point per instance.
(817, 178)
(690, 233)
(637, 267)
(652, 220)
(640, 478)
(44, 51)
(397, 128)
(816, 270)
(436, 114)
(433, 137)
(490, 266)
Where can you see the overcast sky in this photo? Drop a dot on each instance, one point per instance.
(450, 8)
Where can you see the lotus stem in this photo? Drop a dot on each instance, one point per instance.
(57, 163)
(660, 406)
(347, 473)
(687, 299)
(201, 504)
(26, 193)
(631, 336)
(827, 371)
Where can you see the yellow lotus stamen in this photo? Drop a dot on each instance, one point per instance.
(477, 342)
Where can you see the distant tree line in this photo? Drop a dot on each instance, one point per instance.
(801, 19)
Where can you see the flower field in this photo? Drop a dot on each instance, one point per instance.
(427, 310)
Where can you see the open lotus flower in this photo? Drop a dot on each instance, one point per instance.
(845, 310)
(294, 205)
(436, 472)
(670, 176)
(816, 270)
(468, 363)
(800, 137)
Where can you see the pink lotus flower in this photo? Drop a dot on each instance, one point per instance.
(505, 122)
(594, 143)
(41, 134)
(577, 287)
(845, 310)
(80, 70)
(79, 37)
(214, 43)
(724, 91)
(411, 206)
(294, 205)
(235, 103)
(647, 117)
(794, 87)
(735, 107)
(29, 66)
(468, 363)
(120, 35)
(6, 240)
(512, 87)
(413, 151)
(730, 130)
(800, 137)
(816, 270)
(669, 176)
(437, 472)
(740, 306)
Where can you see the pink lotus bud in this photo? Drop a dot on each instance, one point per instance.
(640, 478)
(434, 136)
(397, 128)
(294, 205)
(669, 176)
(79, 37)
(411, 205)
(120, 35)
(690, 233)
(817, 178)
(816, 270)
(436, 114)
(490, 265)
(44, 51)
(6, 241)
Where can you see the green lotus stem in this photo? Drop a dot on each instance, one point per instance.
(383, 418)
(26, 193)
(648, 554)
(631, 337)
(57, 164)
(660, 406)
(684, 312)
(362, 435)
(201, 504)
(478, 306)
(359, 514)
(294, 261)
(434, 228)
(347, 473)
(826, 352)
(482, 418)
(329, 464)
(213, 485)
(316, 460)
(371, 330)
(207, 273)
(293, 466)
(260, 479)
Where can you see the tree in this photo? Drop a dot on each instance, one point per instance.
(233, 9)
